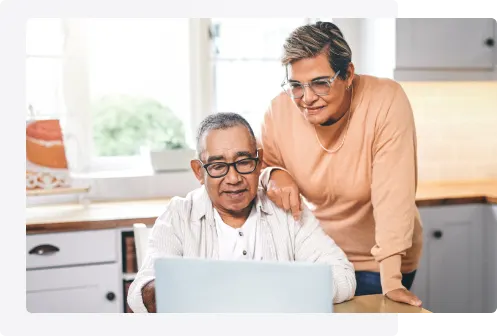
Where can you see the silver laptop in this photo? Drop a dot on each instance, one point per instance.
(221, 286)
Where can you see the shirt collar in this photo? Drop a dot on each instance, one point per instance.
(202, 205)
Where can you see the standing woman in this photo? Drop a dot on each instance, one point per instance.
(347, 144)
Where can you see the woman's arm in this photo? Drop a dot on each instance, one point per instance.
(275, 179)
(394, 182)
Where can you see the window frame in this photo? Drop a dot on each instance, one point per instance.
(77, 98)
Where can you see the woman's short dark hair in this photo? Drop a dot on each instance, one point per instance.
(320, 37)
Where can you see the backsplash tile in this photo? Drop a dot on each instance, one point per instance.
(456, 124)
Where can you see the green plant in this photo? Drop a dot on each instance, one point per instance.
(122, 124)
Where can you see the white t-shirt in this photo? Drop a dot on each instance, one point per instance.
(238, 244)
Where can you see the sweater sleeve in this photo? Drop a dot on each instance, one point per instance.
(393, 189)
(272, 158)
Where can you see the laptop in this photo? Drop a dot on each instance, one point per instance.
(189, 285)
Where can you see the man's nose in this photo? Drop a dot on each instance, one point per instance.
(233, 176)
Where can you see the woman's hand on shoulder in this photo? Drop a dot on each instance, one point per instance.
(284, 192)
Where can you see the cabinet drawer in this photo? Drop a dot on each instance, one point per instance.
(70, 248)
(82, 289)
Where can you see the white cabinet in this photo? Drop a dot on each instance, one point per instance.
(83, 289)
(425, 49)
(491, 258)
(75, 272)
(450, 277)
(445, 49)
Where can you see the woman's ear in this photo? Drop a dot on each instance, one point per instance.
(349, 77)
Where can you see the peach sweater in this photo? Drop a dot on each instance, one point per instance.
(364, 194)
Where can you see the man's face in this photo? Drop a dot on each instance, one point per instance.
(234, 191)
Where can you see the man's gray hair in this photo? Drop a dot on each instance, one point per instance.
(321, 37)
(222, 120)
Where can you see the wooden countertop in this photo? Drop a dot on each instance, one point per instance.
(106, 215)
(457, 192)
(375, 304)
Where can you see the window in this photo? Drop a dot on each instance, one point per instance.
(139, 84)
(120, 87)
(246, 57)
(123, 86)
(44, 44)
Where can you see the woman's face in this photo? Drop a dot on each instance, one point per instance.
(320, 109)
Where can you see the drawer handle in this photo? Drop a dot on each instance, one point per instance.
(44, 250)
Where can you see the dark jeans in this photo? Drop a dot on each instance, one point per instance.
(370, 282)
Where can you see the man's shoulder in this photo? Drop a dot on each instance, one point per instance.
(184, 206)
(269, 206)
(307, 214)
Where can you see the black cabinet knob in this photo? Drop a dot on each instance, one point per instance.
(489, 42)
(111, 296)
(437, 234)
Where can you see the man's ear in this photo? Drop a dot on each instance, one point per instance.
(197, 170)
(261, 157)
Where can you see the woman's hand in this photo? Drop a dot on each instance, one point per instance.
(284, 192)
(404, 296)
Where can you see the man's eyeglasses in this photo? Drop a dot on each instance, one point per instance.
(220, 169)
(320, 87)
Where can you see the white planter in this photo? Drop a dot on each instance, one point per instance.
(171, 160)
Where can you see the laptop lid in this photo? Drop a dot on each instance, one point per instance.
(222, 286)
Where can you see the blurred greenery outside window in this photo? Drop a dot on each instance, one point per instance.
(122, 124)
(139, 84)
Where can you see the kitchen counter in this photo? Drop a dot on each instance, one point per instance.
(457, 192)
(106, 215)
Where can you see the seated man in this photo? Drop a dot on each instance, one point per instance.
(230, 217)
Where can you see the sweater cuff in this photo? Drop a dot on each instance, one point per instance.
(266, 174)
(391, 276)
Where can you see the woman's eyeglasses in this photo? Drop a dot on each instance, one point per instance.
(320, 87)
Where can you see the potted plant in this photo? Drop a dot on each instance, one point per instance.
(132, 125)
(172, 155)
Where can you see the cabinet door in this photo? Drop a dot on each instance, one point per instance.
(454, 258)
(491, 258)
(84, 289)
(438, 44)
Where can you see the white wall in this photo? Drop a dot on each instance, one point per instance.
(377, 45)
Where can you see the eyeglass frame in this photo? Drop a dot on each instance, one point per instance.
(206, 165)
(330, 81)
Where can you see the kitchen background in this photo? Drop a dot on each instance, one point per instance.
(129, 94)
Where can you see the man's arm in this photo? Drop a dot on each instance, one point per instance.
(148, 295)
(313, 244)
(164, 241)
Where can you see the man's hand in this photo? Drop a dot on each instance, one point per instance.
(404, 296)
(148, 295)
(284, 192)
